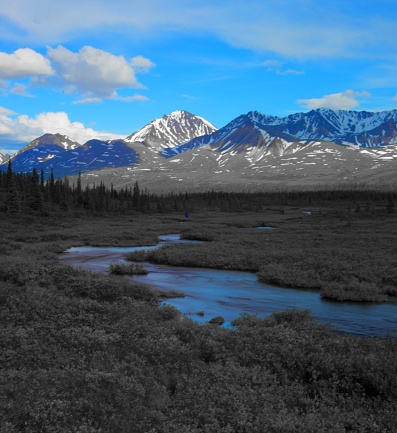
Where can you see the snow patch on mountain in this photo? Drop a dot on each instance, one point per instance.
(3, 158)
(361, 128)
(171, 130)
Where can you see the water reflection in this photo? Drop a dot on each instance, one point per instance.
(228, 293)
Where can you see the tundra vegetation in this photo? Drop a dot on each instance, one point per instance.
(127, 269)
(84, 352)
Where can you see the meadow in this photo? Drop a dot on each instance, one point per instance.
(83, 352)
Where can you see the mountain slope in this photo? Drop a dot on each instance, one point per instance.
(252, 150)
(282, 163)
(358, 128)
(62, 141)
(68, 157)
(171, 130)
(362, 128)
(3, 158)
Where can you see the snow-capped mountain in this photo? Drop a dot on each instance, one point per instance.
(251, 152)
(253, 149)
(3, 158)
(243, 132)
(62, 141)
(68, 157)
(282, 163)
(171, 130)
(358, 128)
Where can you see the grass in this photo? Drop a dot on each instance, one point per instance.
(354, 262)
(86, 352)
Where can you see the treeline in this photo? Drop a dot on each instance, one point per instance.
(31, 192)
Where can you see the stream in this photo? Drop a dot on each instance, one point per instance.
(228, 293)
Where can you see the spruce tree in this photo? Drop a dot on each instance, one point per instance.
(35, 200)
(136, 195)
(13, 201)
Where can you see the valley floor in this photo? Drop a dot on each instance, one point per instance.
(81, 352)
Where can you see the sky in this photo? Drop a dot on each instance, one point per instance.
(104, 69)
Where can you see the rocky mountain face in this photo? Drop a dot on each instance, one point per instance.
(171, 130)
(62, 141)
(349, 128)
(277, 162)
(183, 151)
(3, 158)
(359, 128)
(68, 157)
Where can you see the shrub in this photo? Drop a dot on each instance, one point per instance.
(136, 256)
(127, 269)
(354, 290)
(76, 282)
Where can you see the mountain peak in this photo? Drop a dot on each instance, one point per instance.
(171, 130)
(178, 113)
(52, 139)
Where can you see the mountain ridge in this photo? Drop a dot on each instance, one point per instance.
(68, 157)
(244, 147)
(352, 128)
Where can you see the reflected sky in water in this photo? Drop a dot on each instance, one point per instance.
(228, 293)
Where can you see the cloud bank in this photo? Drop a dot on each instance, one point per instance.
(23, 129)
(300, 29)
(23, 63)
(91, 74)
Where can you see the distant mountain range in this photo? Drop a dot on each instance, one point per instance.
(67, 157)
(186, 151)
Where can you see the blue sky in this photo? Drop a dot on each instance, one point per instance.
(104, 69)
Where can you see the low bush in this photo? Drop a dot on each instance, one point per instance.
(127, 269)
(354, 290)
(76, 282)
(136, 256)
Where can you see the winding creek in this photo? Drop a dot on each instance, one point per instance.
(228, 293)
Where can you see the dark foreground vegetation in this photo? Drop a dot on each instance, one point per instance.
(83, 352)
(127, 269)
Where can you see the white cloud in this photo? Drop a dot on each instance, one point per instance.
(6, 112)
(23, 129)
(141, 64)
(395, 98)
(276, 65)
(24, 62)
(21, 90)
(337, 101)
(138, 98)
(93, 72)
(86, 101)
(304, 28)
(6, 123)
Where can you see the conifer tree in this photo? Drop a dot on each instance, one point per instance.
(135, 195)
(35, 199)
(13, 201)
